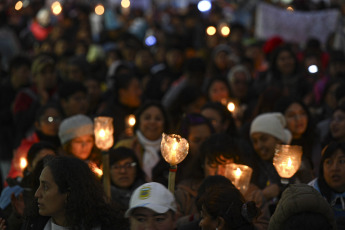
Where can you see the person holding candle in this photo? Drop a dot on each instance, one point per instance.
(299, 122)
(215, 152)
(223, 207)
(151, 121)
(125, 174)
(195, 128)
(220, 117)
(47, 121)
(266, 131)
(76, 134)
(125, 99)
(69, 196)
(331, 180)
(152, 206)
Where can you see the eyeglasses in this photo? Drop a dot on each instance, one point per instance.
(125, 166)
(51, 119)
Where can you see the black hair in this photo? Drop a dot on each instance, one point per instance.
(225, 115)
(36, 148)
(69, 88)
(158, 105)
(226, 201)
(212, 80)
(41, 110)
(273, 60)
(122, 153)
(86, 205)
(193, 119)
(328, 152)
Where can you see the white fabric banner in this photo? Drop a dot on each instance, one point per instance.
(294, 26)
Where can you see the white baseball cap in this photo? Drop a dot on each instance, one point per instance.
(153, 196)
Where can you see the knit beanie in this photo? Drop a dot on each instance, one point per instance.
(75, 126)
(273, 124)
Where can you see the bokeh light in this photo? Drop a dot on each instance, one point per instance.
(99, 9)
(18, 5)
(225, 31)
(56, 8)
(125, 3)
(211, 30)
(150, 40)
(204, 6)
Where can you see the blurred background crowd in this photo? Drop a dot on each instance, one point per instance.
(233, 77)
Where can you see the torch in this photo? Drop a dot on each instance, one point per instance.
(174, 150)
(104, 141)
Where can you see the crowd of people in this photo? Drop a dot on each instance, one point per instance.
(234, 98)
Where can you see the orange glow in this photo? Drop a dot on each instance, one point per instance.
(19, 5)
(125, 3)
(211, 30)
(225, 31)
(99, 9)
(23, 163)
(56, 8)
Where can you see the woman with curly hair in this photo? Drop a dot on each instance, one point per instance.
(71, 197)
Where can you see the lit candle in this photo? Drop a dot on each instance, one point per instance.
(231, 107)
(174, 149)
(287, 160)
(239, 175)
(23, 163)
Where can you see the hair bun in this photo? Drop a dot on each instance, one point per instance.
(249, 211)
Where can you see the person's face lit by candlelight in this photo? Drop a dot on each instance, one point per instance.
(264, 145)
(152, 123)
(123, 173)
(212, 168)
(81, 147)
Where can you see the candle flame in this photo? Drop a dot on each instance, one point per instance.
(23, 163)
(101, 133)
(231, 106)
(238, 172)
(131, 120)
(289, 163)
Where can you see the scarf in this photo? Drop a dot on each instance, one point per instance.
(150, 157)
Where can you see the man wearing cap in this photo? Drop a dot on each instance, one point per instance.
(152, 206)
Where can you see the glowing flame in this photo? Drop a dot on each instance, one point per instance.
(101, 133)
(238, 173)
(289, 164)
(23, 163)
(18, 5)
(231, 107)
(225, 31)
(56, 8)
(99, 9)
(211, 30)
(131, 120)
